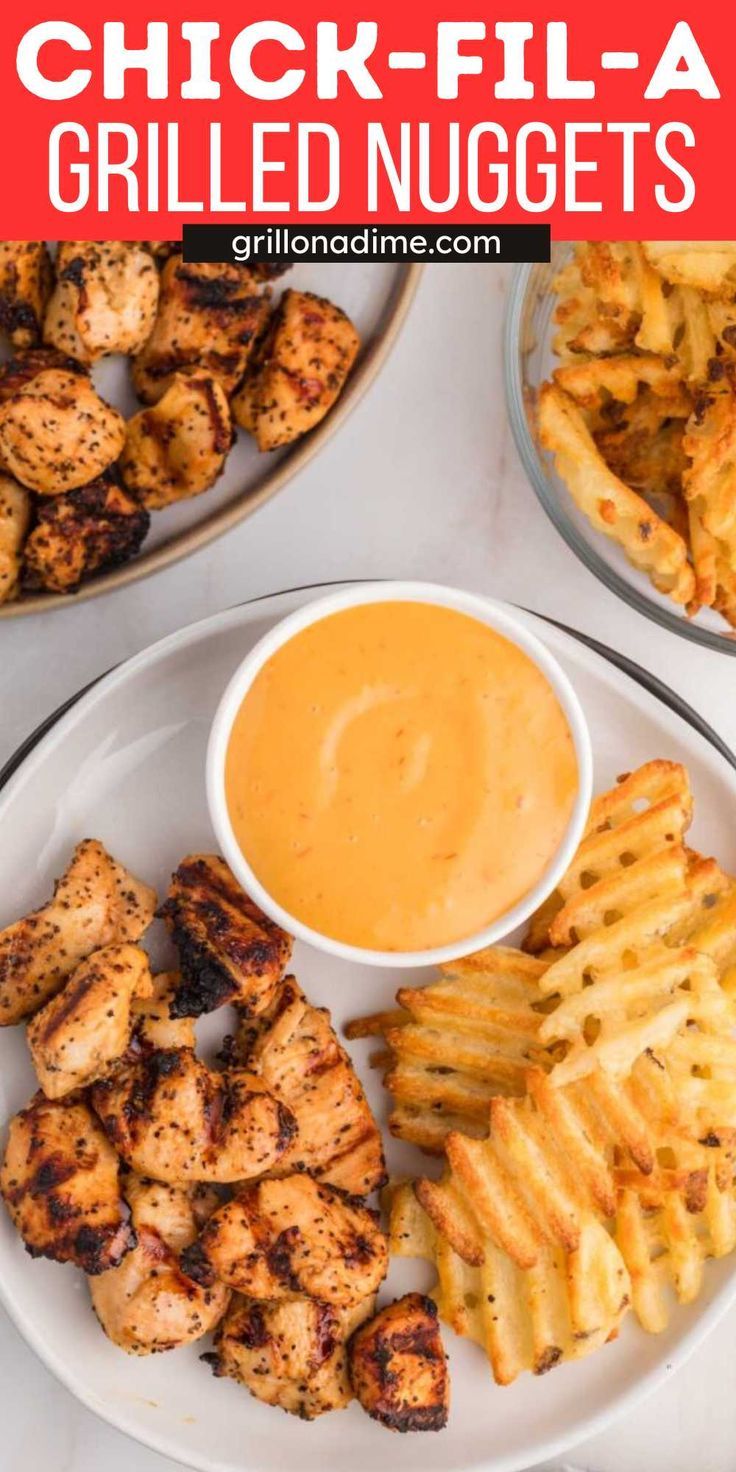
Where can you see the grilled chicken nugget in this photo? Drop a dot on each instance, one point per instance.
(56, 433)
(96, 902)
(60, 1182)
(148, 1304)
(177, 448)
(398, 1367)
(172, 1118)
(288, 1236)
(208, 318)
(293, 1049)
(297, 371)
(290, 1353)
(81, 1032)
(104, 300)
(99, 526)
(229, 951)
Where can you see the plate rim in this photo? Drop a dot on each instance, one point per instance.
(53, 728)
(244, 503)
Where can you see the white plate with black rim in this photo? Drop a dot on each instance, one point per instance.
(126, 764)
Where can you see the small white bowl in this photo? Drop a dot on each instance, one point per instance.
(487, 612)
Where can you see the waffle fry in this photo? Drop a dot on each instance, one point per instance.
(585, 325)
(609, 504)
(643, 425)
(649, 928)
(665, 1246)
(707, 265)
(595, 380)
(458, 1042)
(566, 1306)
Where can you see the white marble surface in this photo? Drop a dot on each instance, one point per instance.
(422, 481)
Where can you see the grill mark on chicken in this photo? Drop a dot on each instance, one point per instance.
(23, 367)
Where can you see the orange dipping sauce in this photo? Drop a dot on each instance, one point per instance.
(399, 775)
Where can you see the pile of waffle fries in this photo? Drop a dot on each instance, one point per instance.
(641, 415)
(582, 1093)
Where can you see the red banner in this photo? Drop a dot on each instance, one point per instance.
(604, 122)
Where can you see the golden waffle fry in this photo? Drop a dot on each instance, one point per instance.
(458, 1042)
(566, 1306)
(612, 507)
(593, 381)
(584, 323)
(708, 265)
(665, 1246)
(646, 810)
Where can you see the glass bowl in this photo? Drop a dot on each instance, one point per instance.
(528, 361)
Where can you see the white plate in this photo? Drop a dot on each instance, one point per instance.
(126, 764)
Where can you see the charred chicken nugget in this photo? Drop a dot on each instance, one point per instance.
(292, 1236)
(298, 369)
(172, 1118)
(104, 300)
(57, 434)
(290, 1353)
(148, 1304)
(60, 1182)
(96, 902)
(209, 316)
(229, 951)
(15, 519)
(398, 1367)
(177, 448)
(99, 526)
(25, 284)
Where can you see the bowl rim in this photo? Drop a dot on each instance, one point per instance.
(371, 359)
(585, 551)
(487, 611)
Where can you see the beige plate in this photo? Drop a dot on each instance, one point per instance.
(378, 299)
